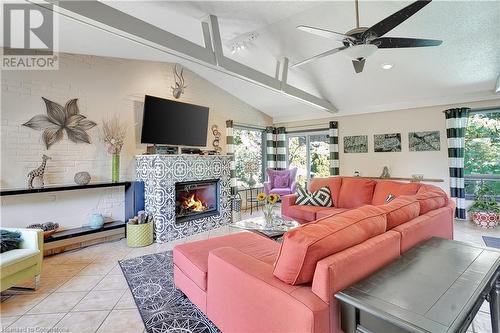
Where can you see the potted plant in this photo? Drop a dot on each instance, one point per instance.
(485, 210)
(113, 135)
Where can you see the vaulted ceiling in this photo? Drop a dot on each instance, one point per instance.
(464, 68)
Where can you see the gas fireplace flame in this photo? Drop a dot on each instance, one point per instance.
(192, 203)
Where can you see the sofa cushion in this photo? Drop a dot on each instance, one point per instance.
(386, 187)
(320, 197)
(304, 246)
(356, 192)
(333, 183)
(303, 213)
(432, 198)
(192, 258)
(326, 212)
(14, 261)
(401, 210)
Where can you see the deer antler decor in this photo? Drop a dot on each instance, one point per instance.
(178, 90)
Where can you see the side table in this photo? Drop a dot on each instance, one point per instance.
(436, 287)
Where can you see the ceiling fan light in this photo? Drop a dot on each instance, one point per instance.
(360, 51)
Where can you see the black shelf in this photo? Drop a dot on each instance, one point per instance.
(58, 188)
(70, 233)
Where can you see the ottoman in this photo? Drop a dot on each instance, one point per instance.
(191, 261)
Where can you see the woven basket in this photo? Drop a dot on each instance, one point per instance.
(139, 235)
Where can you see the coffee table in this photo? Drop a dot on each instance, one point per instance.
(436, 287)
(258, 225)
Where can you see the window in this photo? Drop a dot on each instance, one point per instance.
(309, 153)
(249, 156)
(482, 152)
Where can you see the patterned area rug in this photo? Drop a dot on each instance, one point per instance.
(492, 241)
(163, 307)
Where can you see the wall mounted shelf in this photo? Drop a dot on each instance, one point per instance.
(58, 188)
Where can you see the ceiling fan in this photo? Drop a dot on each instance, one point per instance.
(361, 42)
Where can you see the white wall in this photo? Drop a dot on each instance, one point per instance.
(401, 164)
(104, 86)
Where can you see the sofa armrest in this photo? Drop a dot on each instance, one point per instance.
(288, 200)
(244, 296)
(343, 269)
(32, 238)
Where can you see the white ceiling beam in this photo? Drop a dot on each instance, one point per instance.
(210, 55)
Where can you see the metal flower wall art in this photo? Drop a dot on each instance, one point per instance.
(61, 119)
(178, 90)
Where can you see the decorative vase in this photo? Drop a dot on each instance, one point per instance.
(485, 220)
(115, 168)
(268, 215)
(96, 221)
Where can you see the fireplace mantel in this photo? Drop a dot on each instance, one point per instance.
(160, 173)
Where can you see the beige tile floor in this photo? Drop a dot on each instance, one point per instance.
(85, 290)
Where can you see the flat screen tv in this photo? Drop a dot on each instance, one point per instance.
(174, 123)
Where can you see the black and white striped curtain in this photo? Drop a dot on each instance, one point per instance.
(230, 153)
(280, 148)
(270, 147)
(456, 125)
(333, 137)
(276, 148)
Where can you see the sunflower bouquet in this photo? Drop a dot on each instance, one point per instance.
(269, 202)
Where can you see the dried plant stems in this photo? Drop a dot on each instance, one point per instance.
(113, 134)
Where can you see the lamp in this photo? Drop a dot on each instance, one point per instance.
(360, 51)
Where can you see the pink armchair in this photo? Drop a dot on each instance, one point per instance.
(281, 182)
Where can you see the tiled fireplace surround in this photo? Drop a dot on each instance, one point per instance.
(160, 174)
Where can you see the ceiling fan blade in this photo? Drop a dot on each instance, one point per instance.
(397, 42)
(325, 33)
(321, 55)
(390, 22)
(358, 64)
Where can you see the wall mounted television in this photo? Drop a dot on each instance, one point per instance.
(169, 122)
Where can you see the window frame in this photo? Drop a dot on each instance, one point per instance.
(263, 146)
(307, 134)
(480, 177)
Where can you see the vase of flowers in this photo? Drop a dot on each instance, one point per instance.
(269, 202)
(113, 135)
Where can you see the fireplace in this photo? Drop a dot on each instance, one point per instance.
(196, 199)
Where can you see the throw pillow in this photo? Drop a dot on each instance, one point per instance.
(390, 197)
(9, 240)
(281, 181)
(322, 197)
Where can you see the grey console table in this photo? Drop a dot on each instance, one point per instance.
(435, 287)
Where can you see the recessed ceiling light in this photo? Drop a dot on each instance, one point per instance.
(387, 66)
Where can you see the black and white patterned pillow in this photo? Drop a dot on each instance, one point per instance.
(322, 197)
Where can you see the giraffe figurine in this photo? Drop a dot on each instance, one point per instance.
(38, 172)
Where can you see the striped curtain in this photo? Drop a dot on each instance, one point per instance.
(270, 147)
(230, 153)
(280, 148)
(456, 125)
(333, 135)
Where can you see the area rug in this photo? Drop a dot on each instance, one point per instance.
(492, 241)
(163, 307)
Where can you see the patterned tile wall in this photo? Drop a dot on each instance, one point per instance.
(161, 172)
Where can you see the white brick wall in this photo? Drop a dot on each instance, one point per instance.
(103, 86)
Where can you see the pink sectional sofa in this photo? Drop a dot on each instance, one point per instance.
(245, 282)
